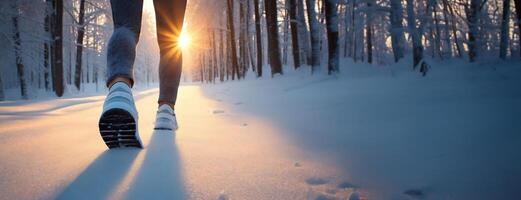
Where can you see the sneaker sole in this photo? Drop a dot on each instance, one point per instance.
(118, 129)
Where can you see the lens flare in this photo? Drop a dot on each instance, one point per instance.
(184, 40)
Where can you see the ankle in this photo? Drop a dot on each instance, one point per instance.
(166, 103)
(127, 81)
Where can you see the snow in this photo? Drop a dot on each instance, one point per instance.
(366, 133)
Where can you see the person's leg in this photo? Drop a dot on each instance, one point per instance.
(118, 123)
(121, 51)
(169, 22)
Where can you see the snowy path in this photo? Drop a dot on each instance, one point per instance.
(52, 150)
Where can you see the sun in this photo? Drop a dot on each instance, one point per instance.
(184, 40)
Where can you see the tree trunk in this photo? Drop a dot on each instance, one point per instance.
(446, 28)
(332, 35)
(285, 36)
(454, 28)
(214, 55)
(57, 46)
(46, 46)
(221, 56)
(18, 51)
(2, 95)
(505, 19)
(417, 46)
(369, 34)
(518, 12)
(273, 36)
(397, 36)
(258, 37)
(472, 20)
(315, 41)
(235, 65)
(353, 31)
(294, 32)
(305, 54)
(79, 44)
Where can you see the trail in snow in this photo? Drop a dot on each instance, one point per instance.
(216, 154)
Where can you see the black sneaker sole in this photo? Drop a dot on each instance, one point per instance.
(118, 129)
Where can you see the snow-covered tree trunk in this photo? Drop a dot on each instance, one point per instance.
(332, 35)
(417, 47)
(315, 40)
(347, 30)
(397, 36)
(304, 45)
(258, 37)
(18, 50)
(273, 37)
(505, 19)
(79, 44)
(294, 32)
(285, 35)
(446, 30)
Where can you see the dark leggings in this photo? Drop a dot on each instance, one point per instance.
(122, 45)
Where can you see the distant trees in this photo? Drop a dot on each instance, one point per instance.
(57, 44)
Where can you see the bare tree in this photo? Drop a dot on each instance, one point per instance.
(332, 35)
(397, 36)
(369, 32)
(518, 12)
(417, 46)
(2, 95)
(258, 37)
(505, 19)
(57, 46)
(472, 20)
(294, 32)
(273, 36)
(79, 44)
(18, 50)
(313, 29)
(235, 65)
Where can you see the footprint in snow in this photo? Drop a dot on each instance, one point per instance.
(325, 197)
(238, 103)
(316, 181)
(354, 196)
(245, 124)
(415, 193)
(345, 185)
(223, 196)
(297, 164)
(218, 111)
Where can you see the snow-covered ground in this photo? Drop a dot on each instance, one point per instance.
(367, 133)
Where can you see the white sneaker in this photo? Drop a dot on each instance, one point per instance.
(165, 118)
(118, 123)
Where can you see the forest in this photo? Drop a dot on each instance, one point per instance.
(58, 46)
